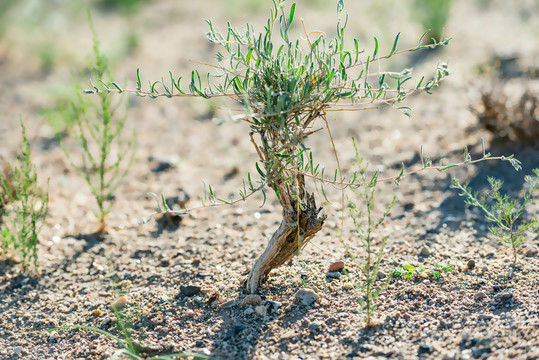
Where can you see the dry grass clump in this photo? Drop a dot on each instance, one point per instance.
(510, 110)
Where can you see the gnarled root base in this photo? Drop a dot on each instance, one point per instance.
(284, 243)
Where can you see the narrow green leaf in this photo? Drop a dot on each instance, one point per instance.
(394, 49)
(356, 47)
(421, 38)
(139, 83)
(375, 49)
(117, 87)
(324, 192)
(260, 171)
(448, 167)
(291, 17)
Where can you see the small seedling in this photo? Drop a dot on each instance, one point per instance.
(506, 213)
(23, 207)
(440, 268)
(407, 271)
(411, 270)
(98, 132)
(368, 291)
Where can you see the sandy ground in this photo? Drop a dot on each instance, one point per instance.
(486, 308)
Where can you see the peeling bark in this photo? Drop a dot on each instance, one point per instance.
(284, 243)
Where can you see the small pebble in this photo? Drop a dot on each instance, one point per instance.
(306, 296)
(504, 296)
(336, 266)
(479, 296)
(425, 251)
(202, 274)
(251, 299)
(424, 349)
(477, 352)
(17, 350)
(451, 356)
(314, 325)
(275, 305)
(205, 352)
(238, 328)
(228, 304)
(334, 274)
(190, 290)
(261, 310)
(162, 163)
(471, 264)
(249, 311)
(199, 343)
(486, 317)
(120, 302)
(532, 251)
(97, 312)
(196, 262)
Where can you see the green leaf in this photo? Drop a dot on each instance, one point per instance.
(420, 44)
(394, 49)
(139, 83)
(375, 49)
(324, 192)
(260, 171)
(117, 87)
(292, 11)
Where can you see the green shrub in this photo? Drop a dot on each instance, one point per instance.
(287, 86)
(97, 129)
(368, 290)
(506, 213)
(24, 207)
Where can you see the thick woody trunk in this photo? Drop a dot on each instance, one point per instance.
(284, 243)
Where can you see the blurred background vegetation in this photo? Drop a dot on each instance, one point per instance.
(42, 44)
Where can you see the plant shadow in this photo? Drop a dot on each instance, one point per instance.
(453, 209)
(248, 334)
(89, 242)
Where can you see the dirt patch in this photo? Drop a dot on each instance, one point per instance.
(485, 309)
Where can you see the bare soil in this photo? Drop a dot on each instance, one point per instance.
(486, 309)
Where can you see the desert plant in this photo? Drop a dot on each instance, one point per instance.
(23, 207)
(408, 271)
(368, 291)
(286, 86)
(441, 268)
(509, 114)
(128, 347)
(97, 129)
(505, 212)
